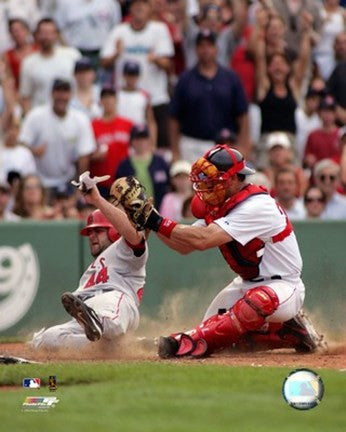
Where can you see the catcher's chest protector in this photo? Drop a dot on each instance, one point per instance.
(243, 260)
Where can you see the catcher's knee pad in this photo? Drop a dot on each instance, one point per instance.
(258, 303)
(221, 330)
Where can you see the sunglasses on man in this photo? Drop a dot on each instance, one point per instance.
(310, 200)
(324, 177)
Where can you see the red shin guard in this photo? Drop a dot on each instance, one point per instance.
(222, 330)
(269, 339)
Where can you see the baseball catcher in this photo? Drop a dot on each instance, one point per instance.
(261, 308)
(105, 304)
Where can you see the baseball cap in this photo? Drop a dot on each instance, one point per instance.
(327, 103)
(225, 136)
(278, 139)
(131, 68)
(107, 90)
(180, 167)
(83, 64)
(61, 84)
(139, 131)
(206, 34)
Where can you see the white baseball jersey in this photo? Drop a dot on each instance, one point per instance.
(260, 216)
(112, 286)
(117, 268)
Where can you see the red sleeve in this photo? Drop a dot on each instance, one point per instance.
(138, 249)
(309, 144)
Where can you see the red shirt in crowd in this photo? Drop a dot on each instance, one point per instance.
(113, 137)
(323, 144)
(14, 61)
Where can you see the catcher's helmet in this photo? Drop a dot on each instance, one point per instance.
(210, 173)
(228, 161)
(96, 219)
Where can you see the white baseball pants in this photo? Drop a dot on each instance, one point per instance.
(117, 311)
(291, 297)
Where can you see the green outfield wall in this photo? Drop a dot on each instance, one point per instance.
(39, 261)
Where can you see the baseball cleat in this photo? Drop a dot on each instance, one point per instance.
(178, 346)
(168, 347)
(85, 316)
(302, 328)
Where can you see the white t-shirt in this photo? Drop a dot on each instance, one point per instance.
(297, 211)
(153, 38)
(192, 7)
(8, 216)
(94, 110)
(66, 139)
(117, 268)
(305, 124)
(260, 217)
(18, 159)
(335, 208)
(38, 73)
(132, 105)
(333, 24)
(85, 24)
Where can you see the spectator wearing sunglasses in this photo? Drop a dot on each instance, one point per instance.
(327, 176)
(314, 202)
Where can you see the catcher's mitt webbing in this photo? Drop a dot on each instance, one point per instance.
(129, 192)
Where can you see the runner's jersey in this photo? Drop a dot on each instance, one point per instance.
(261, 217)
(117, 268)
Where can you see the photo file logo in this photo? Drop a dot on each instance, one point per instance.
(43, 403)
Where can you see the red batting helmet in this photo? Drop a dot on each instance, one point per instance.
(96, 219)
(210, 173)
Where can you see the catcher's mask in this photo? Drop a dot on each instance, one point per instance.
(210, 173)
(98, 220)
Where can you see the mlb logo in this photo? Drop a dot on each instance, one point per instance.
(32, 383)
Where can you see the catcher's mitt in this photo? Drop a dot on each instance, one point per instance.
(128, 192)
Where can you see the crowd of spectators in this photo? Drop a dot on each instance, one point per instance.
(145, 87)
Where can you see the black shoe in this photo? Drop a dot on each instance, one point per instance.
(302, 328)
(85, 315)
(168, 347)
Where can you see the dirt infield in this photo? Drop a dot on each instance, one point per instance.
(334, 359)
